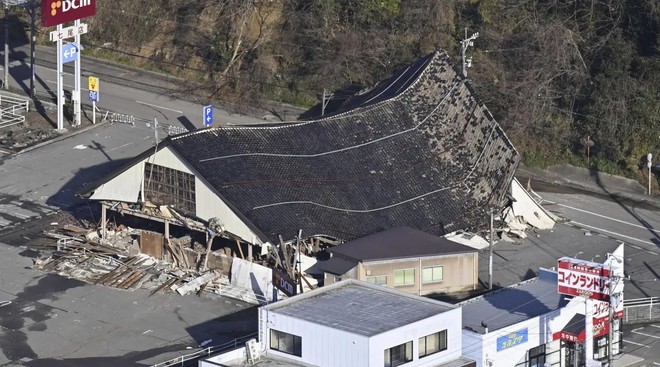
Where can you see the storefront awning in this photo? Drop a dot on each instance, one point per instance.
(573, 331)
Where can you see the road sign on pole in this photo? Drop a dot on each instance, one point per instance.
(93, 83)
(208, 115)
(69, 52)
(93, 96)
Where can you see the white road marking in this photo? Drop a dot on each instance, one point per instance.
(655, 326)
(156, 106)
(656, 363)
(610, 218)
(640, 344)
(652, 253)
(636, 247)
(645, 334)
(614, 233)
(121, 146)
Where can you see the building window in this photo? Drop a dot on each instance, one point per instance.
(398, 355)
(168, 186)
(433, 343)
(404, 277)
(537, 356)
(285, 343)
(378, 280)
(337, 279)
(432, 274)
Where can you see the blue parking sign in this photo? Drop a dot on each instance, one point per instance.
(208, 115)
(93, 96)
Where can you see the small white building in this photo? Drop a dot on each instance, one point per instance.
(354, 323)
(532, 324)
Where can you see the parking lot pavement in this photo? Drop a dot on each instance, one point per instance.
(49, 320)
(643, 341)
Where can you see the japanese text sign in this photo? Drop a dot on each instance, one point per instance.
(583, 278)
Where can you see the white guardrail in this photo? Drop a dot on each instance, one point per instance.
(12, 110)
(641, 310)
(207, 352)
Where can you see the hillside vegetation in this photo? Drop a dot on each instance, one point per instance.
(553, 72)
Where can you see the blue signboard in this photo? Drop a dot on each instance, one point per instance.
(93, 96)
(69, 52)
(511, 340)
(208, 115)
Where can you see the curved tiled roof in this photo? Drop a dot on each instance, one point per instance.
(423, 153)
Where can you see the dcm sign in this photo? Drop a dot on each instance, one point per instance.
(54, 12)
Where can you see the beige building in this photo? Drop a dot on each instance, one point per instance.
(406, 259)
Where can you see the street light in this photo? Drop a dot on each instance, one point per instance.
(579, 253)
(595, 257)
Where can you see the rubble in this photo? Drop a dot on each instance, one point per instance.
(119, 263)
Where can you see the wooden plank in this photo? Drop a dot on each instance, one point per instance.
(165, 284)
(197, 282)
(240, 249)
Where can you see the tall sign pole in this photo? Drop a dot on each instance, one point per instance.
(76, 90)
(56, 13)
(33, 42)
(60, 92)
(6, 47)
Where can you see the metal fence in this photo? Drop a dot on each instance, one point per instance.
(12, 110)
(641, 310)
(206, 352)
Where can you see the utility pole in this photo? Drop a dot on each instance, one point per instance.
(490, 250)
(299, 265)
(326, 100)
(610, 320)
(649, 164)
(465, 43)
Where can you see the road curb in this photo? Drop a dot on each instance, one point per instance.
(60, 138)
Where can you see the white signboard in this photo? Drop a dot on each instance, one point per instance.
(68, 32)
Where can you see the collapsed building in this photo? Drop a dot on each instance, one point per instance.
(418, 150)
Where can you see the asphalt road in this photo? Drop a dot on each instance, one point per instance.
(635, 224)
(141, 94)
(48, 321)
(643, 341)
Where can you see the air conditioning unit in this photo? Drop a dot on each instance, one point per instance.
(252, 351)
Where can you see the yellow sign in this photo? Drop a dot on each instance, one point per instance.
(93, 84)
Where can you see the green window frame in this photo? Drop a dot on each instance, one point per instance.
(404, 276)
(432, 274)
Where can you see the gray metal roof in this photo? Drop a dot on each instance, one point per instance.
(397, 243)
(511, 305)
(336, 265)
(359, 308)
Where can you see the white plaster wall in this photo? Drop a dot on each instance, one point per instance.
(539, 331)
(450, 320)
(321, 345)
(125, 187)
(207, 203)
(526, 207)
